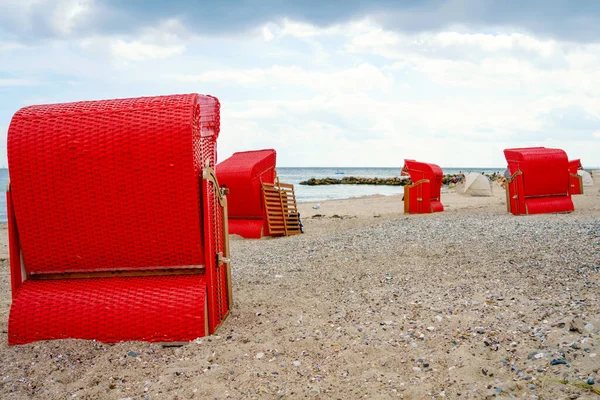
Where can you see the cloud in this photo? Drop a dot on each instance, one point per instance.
(137, 51)
(359, 78)
(35, 19)
(17, 82)
(321, 93)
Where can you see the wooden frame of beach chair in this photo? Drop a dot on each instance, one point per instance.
(575, 180)
(117, 225)
(283, 218)
(423, 195)
(539, 181)
(259, 205)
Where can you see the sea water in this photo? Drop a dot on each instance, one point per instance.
(305, 193)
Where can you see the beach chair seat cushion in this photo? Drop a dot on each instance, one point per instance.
(153, 309)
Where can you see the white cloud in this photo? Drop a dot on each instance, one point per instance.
(154, 43)
(138, 51)
(267, 34)
(69, 15)
(361, 92)
(363, 77)
(17, 82)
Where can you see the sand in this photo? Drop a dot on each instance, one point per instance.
(369, 303)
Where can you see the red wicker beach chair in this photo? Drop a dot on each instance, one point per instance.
(259, 205)
(117, 226)
(539, 181)
(575, 180)
(424, 194)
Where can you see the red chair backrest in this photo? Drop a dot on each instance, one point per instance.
(243, 173)
(111, 185)
(545, 171)
(420, 170)
(574, 166)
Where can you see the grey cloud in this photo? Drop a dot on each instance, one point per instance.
(576, 21)
(572, 123)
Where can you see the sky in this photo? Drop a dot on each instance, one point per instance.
(327, 83)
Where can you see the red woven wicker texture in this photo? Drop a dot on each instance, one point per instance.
(247, 228)
(418, 198)
(14, 247)
(243, 174)
(545, 171)
(542, 205)
(574, 165)
(159, 308)
(107, 185)
(216, 276)
(437, 206)
(517, 200)
(420, 170)
(575, 184)
(210, 117)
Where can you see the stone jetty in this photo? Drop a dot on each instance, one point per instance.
(447, 179)
(352, 180)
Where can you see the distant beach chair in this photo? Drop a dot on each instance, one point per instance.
(259, 205)
(575, 180)
(424, 194)
(539, 182)
(117, 226)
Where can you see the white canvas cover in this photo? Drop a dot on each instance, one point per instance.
(476, 185)
(586, 178)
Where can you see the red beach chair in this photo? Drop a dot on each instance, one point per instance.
(259, 205)
(539, 181)
(424, 194)
(575, 180)
(117, 226)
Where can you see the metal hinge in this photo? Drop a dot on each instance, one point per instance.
(222, 260)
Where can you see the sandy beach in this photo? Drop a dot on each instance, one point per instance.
(369, 302)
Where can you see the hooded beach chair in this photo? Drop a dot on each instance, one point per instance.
(259, 205)
(423, 195)
(575, 180)
(117, 226)
(539, 182)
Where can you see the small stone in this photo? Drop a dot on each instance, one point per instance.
(593, 355)
(425, 365)
(442, 394)
(590, 381)
(283, 364)
(421, 336)
(531, 386)
(557, 362)
(589, 327)
(296, 363)
(539, 355)
(480, 330)
(259, 355)
(438, 318)
(416, 369)
(132, 354)
(431, 328)
(576, 325)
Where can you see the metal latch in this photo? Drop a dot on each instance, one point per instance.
(222, 260)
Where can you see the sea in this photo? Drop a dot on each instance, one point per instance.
(306, 193)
